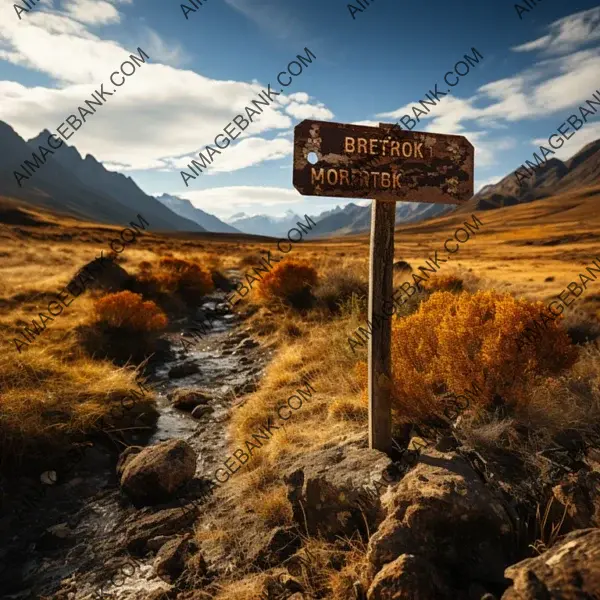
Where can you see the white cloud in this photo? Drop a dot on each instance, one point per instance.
(248, 152)
(552, 86)
(590, 132)
(567, 34)
(181, 115)
(92, 12)
(234, 199)
(366, 123)
(301, 97)
(171, 53)
(308, 111)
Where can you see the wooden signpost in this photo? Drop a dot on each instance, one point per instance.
(388, 165)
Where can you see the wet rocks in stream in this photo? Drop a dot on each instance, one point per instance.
(183, 370)
(201, 411)
(154, 474)
(188, 399)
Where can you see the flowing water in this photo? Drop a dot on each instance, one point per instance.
(75, 533)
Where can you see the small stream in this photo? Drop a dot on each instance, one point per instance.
(74, 536)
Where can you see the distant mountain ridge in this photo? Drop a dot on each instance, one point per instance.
(353, 218)
(552, 177)
(186, 209)
(116, 185)
(265, 224)
(67, 184)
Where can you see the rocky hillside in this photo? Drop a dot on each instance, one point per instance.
(553, 177)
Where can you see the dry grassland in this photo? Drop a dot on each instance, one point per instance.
(54, 390)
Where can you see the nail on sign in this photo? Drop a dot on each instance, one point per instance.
(385, 163)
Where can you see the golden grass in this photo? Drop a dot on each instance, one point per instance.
(50, 395)
(509, 254)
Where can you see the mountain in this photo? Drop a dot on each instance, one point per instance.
(266, 225)
(240, 215)
(116, 188)
(184, 208)
(353, 218)
(551, 178)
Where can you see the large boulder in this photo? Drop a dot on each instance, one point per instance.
(409, 576)
(154, 475)
(442, 512)
(328, 493)
(570, 569)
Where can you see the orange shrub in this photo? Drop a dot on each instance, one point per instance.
(126, 310)
(177, 276)
(454, 342)
(289, 281)
(439, 283)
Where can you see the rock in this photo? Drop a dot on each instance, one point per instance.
(186, 399)
(156, 543)
(478, 592)
(48, 477)
(183, 370)
(170, 522)
(157, 472)
(248, 343)
(291, 585)
(171, 559)
(328, 493)
(221, 282)
(443, 510)
(54, 538)
(247, 387)
(106, 275)
(447, 443)
(236, 336)
(125, 457)
(579, 493)
(62, 530)
(202, 411)
(409, 576)
(570, 569)
(282, 542)
(401, 266)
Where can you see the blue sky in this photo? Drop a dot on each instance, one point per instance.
(205, 69)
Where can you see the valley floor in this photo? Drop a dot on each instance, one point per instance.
(506, 475)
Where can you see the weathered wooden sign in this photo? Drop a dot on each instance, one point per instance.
(355, 161)
(386, 164)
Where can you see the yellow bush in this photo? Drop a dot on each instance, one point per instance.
(289, 281)
(440, 283)
(453, 343)
(177, 276)
(126, 310)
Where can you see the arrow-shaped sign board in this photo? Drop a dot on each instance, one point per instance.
(384, 163)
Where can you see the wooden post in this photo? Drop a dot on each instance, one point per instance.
(383, 221)
(440, 171)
